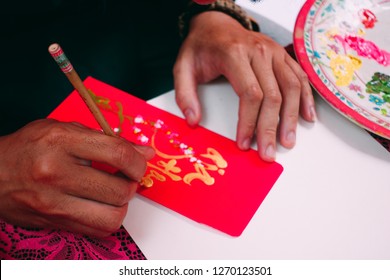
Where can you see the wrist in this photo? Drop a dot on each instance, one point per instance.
(228, 7)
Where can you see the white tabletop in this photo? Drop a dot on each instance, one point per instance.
(331, 202)
(276, 17)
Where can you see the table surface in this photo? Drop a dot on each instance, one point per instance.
(331, 202)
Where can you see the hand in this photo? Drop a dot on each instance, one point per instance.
(46, 178)
(271, 85)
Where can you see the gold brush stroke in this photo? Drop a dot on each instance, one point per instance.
(169, 168)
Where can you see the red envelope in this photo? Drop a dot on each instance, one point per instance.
(196, 172)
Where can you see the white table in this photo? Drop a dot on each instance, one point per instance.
(331, 202)
(276, 17)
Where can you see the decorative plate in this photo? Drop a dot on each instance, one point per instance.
(343, 47)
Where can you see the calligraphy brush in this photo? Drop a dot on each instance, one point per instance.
(67, 68)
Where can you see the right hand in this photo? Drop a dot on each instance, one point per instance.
(46, 178)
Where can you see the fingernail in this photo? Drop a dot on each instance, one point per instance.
(270, 152)
(190, 116)
(291, 137)
(246, 144)
(313, 114)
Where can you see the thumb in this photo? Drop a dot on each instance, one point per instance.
(186, 91)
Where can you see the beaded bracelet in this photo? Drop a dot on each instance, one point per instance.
(228, 7)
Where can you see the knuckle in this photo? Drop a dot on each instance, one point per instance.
(269, 132)
(123, 154)
(106, 223)
(261, 48)
(249, 126)
(114, 222)
(43, 170)
(56, 135)
(231, 46)
(292, 118)
(128, 194)
(123, 196)
(128, 157)
(293, 85)
(43, 205)
(118, 197)
(303, 76)
(236, 47)
(253, 93)
(273, 96)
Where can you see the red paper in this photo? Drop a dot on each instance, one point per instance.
(196, 172)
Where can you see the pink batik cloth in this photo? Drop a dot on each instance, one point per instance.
(17, 243)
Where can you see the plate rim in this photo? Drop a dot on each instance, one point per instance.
(319, 86)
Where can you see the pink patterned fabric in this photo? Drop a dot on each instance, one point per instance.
(47, 244)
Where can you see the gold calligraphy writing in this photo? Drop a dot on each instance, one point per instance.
(186, 166)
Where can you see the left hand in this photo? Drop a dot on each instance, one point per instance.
(272, 87)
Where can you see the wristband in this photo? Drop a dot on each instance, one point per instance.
(228, 7)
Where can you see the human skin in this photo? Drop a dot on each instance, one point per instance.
(272, 87)
(46, 177)
(47, 180)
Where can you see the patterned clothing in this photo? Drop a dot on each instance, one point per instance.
(17, 243)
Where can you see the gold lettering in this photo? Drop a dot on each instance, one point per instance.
(200, 174)
(148, 181)
(216, 157)
(168, 168)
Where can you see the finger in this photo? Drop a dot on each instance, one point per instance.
(78, 124)
(307, 107)
(269, 112)
(246, 85)
(93, 184)
(290, 87)
(87, 217)
(186, 89)
(147, 151)
(114, 151)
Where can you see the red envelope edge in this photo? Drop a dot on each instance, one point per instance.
(196, 172)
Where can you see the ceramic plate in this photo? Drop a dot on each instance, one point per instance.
(343, 45)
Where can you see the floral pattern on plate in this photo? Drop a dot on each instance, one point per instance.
(343, 46)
